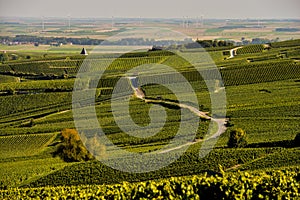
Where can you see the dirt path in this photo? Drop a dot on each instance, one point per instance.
(233, 52)
(233, 167)
(252, 161)
(57, 113)
(180, 146)
(220, 122)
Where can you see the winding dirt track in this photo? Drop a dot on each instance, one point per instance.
(220, 122)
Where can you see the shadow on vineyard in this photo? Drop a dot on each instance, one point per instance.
(283, 143)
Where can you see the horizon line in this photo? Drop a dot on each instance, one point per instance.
(138, 18)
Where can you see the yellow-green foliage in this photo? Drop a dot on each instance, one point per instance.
(24, 145)
(8, 79)
(237, 138)
(281, 184)
(250, 49)
(72, 148)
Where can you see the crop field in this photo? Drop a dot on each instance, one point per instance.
(102, 29)
(22, 145)
(262, 85)
(192, 187)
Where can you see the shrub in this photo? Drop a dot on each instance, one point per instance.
(72, 149)
(95, 147)
(3, 57)
(237, 138)
(14, 57)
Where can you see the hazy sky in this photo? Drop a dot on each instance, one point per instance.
(152, 8)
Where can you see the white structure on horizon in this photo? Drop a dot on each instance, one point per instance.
(69, 22)
(43, 24)
(202, 21)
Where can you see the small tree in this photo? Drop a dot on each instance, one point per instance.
(72, 149)
(3, 57)
(14, 57)
(237, 138)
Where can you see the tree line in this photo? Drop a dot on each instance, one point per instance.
(48, 40)
(188, 43)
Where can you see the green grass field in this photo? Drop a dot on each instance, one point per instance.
(262, 90)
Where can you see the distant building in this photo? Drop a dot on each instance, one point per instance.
(83, 52)
(156, 48)
(55, 44)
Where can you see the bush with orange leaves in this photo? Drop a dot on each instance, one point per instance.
(72, 149)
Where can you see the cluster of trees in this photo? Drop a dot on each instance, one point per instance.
(188, 43)
(89, 41)
(287, 29)
(48, 40)
(215, 43)
(147, 42)
(124, 41)
(73, 147)
(4, 57)
(245, 41)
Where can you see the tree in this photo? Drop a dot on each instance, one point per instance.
(3, 57)
(95, 147)
(72, 149)
(14, 57)
(237, 138)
